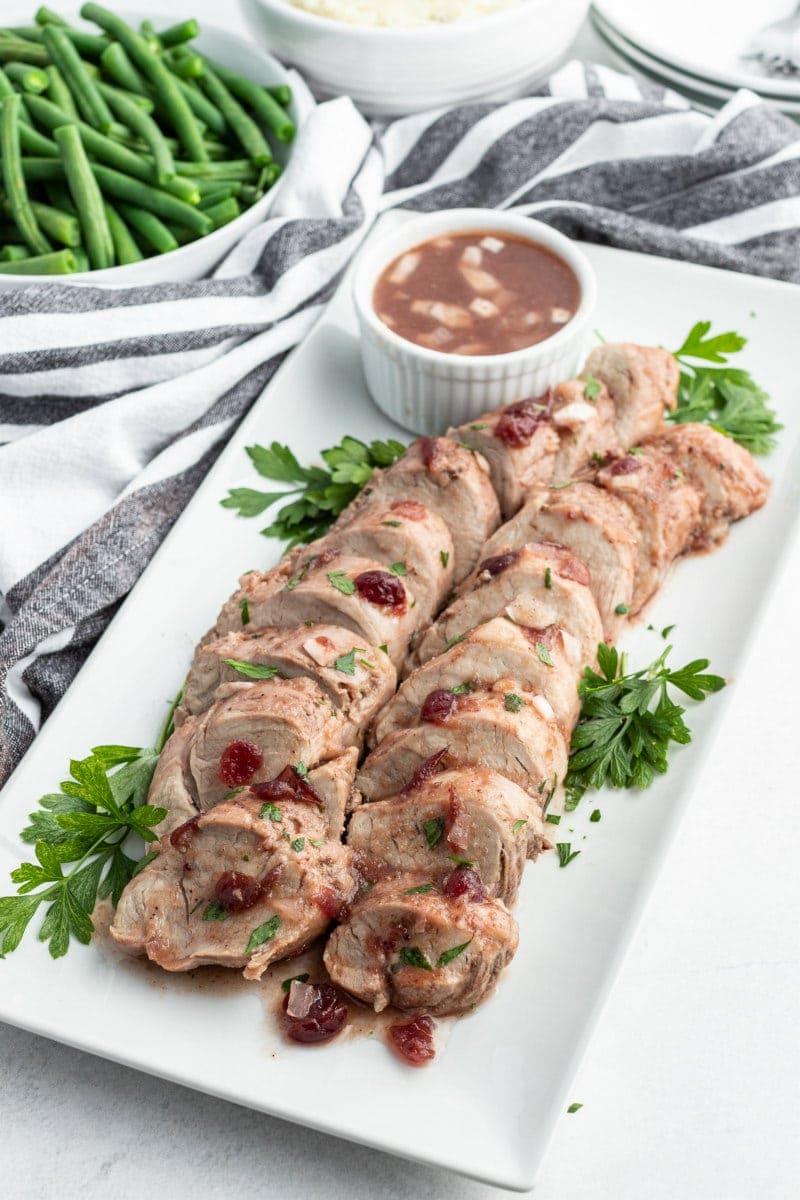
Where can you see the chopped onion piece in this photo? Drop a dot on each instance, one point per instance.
(560, 316)
(438, 338)
(577, 413)
(543, 707)
(422, 307)
(572, 647)
(483, 307)
(532, 318)
(387, 320)
(442, 243)
(472, 256)
(474, 348)
(301, 997)
(492, 244)
(451, 315)
(405, 267)
(479, 280)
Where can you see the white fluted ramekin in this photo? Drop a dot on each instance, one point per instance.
(428, 390)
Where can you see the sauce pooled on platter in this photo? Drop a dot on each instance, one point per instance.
(476, 293)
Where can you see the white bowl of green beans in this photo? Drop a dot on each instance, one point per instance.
(131, 151)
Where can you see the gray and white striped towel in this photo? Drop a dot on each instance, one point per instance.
(114, 403)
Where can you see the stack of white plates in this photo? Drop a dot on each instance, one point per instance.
(697, 47)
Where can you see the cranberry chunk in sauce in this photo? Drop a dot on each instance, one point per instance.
(464, 881)
(520, 421)
(289, 785)
(236, 892)
(625, 466)
(329, 902)
(412, 1041)
(239, 762)
(438, 706)
(498, 562)
(315, 1012)
(425, 770)
(381, 589)
(182, 836)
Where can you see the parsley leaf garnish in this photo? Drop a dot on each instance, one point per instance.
(271, 812)
(214, 912)
(544, 655)
(593, 388)
(724, 397)
(346, 663)
(287, 983)
(412, 956)
(263, 933)
(319, 494)
(433, 830)
(444, 557)
(81, 838)
(512, 702)
(421, 889)
(398, 568)
(342, 582)
(244, 609)
(628, 721)
(448, 955)
(566, 853)
(251, 670)
(515, 828)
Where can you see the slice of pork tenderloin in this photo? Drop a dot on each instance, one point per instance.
(356, 593)
(535, 585)
(519, 444)
(500, 729)
(583, 417)
(253, 730)
(641, 380)
(400, 534)
(420, 950)
(597, 527)
(474, 815)
(729, 481)
(172, 786)
(356, 683)
(546, 662)
(447, 479)
(236, 888)
(666, 508)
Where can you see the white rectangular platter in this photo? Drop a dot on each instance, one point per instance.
(488, 1104)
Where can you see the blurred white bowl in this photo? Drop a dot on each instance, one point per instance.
(197, 258)
(428, 390)
(392, 72)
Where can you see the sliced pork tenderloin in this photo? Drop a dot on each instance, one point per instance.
(240, 886)
(666, 508)
(584, 419)
(535, 585)
(729, 481)
(402, 534)
(519, 444)
(643, 383)
(547, 662)
(357, 683)
(595, 526)
(420, 950)
(254, 730)
(447, 479)
(356, 593)
(498, 729)
(475, 815)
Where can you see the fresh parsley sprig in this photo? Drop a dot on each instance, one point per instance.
(628, 721)
(322, 492)
(725, 397)
(81, 836)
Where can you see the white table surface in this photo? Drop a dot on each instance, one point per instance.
(691, 1085)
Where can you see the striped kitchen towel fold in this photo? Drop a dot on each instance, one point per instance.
(114, 403)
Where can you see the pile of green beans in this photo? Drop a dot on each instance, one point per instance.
(122, 144)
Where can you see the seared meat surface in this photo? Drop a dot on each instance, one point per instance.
(642, 382)
(536, 585)
(586, 428)
(476, 815)
(447, 479)
(241, 886)
(420, 949)
(358, 687)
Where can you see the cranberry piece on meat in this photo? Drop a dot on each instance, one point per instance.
(625, 466)
(520, 421)
(464, 881)
(413, 1041)
(236, 892)
(409, 508)
(382, 589)
(428, 449)
(315, 1012)
(239, 762)
(498, 562)
(181, 837)
(425, 770)
(438, 706)
(331, 904)
(289, 785)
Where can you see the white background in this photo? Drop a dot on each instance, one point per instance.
(691, 1086)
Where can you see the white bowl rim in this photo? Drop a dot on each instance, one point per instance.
(112, 276)
(435, 29)
(435, 224)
